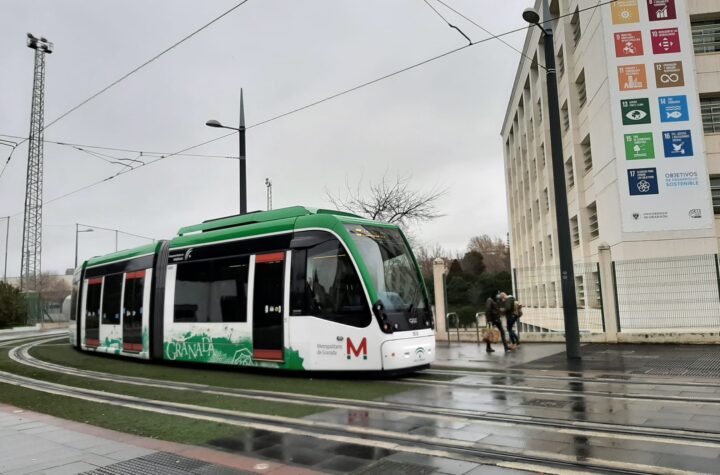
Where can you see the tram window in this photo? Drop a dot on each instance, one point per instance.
(332, 287)
(111, 299)
(92, 309)
(74, 297)
(212, 291)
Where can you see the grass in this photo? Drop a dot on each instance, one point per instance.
(316, 384)
(131, 421)
(163, 426)
(161, 394)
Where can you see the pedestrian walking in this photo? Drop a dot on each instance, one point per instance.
(492, 317)
(512, 310)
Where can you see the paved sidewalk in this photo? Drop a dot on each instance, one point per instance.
(686, 361)
(34, 443)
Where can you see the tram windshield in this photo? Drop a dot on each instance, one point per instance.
(394, 274)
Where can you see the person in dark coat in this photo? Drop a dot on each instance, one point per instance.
(508, 310)
(492, 316)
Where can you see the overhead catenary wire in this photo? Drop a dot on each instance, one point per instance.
(142, 153)
(490, 33)
(446, 21)
(323, 100)
(133, 71)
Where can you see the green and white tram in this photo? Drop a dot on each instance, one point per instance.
(293, 288)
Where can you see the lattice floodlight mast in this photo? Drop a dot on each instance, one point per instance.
(32, 224)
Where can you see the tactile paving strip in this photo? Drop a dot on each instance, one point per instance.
(164, 463)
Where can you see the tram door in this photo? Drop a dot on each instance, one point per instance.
(92, 312)
(268, 306)
(132, 311)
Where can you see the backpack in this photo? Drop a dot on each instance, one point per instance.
(517, 309)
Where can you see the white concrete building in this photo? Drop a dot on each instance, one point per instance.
(639, 93)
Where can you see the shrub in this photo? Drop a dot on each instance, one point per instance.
(13, 310)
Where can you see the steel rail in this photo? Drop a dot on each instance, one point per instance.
(419, 444)
(581, 428)
(636, 379)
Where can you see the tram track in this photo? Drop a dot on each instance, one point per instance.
(515, 388)
(605, 379)
(21, 355)
(418, 444)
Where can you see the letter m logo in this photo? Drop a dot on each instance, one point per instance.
(362, 348)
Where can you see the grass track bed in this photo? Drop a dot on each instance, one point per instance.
(228, 378)
(131, 421)
(161, 394)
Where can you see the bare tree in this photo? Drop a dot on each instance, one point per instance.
(494, 251)
(389, 201)
(52, 287)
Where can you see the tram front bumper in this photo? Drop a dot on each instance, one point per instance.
(408, 352)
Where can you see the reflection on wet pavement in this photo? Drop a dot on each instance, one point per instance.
(542, 426)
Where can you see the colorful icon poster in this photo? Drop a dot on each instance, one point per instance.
(659, 10)
(635, 111)
(625, 11)
(639, 146)
(631, 77)
(669, 74)
(665, 40)
(642, 181)
(628, 43)
(673, 108)
(677, 144)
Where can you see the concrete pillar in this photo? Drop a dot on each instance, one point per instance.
(439, 270)
(608, 293)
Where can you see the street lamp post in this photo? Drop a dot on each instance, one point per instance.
(77, 232)
(7, 237)
(567, 274)
(241, 146)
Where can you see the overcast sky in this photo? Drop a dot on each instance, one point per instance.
(439, 123)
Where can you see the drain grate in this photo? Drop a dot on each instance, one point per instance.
(164, 463)
(551, 403)
(396, 468)
(702, 366)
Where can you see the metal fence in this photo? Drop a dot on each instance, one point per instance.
(675, 293)
(538, 289)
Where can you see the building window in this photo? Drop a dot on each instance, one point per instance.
(580, 88)
(580, 291)
(715, 191)
(594, 297)
(546, 195)
(587, 153)
(539, 111)
(706, 36)
(542, 154)
(575, 26)
(575, 230)
(710, 110)
(560, 62)
(593, 227)
(541, 254)
(552, 295)
(549, 246)
(565, 116)
(569, 175)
